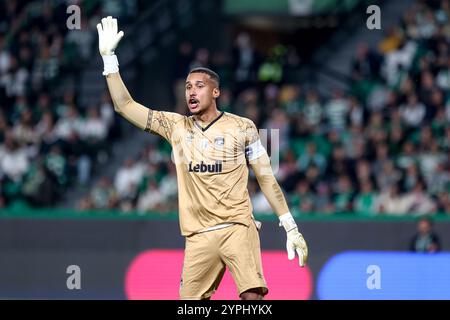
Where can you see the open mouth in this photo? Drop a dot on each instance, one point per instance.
(193, 103)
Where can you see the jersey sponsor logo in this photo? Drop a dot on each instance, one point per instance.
(202, 167)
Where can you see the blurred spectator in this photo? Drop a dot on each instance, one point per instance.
(312, 109)
(443, 202)
(290, 99)
(303, 200)
(15, 79)
(418, 202)
(312, 176)
(392, 41)
(366, 63)
(103, 195)
(127, 178)
(413, 112)
(336, 110)
(427, 87)
(323, 203)
(152, 199)
(94, 128)
(13, 160)
(168, 185)
(391, 202)
(363, 172)
(56, 163)
(245, 62)
(355, 142)
(410, 178)
(443, 77)
(439, 181)
(40, 186)
(343, 194)
(398, 60)
(425, 240)
(430, 159)
(69, 123)
(338, 164)
(365, 202)
(407, 156)
(23, 130)
(388, 176)
(288, 166)
(356, 112)
(311, 157)
(376, 129)
(381, 158)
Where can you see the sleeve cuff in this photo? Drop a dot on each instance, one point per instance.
(287, 221)
(110, 64)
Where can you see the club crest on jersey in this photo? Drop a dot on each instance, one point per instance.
(219, 141)
(202, 167)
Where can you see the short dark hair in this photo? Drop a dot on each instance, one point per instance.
(214, 76)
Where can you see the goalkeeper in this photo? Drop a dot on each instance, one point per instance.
(212, 153)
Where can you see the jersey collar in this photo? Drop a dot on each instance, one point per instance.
(210, 124)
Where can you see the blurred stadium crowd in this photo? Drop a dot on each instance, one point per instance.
(381, 147)
(48, 143)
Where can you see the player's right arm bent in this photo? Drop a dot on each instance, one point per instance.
(124, 104)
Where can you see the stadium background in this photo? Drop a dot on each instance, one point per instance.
(363, 119)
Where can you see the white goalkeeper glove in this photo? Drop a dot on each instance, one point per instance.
(295, 241)
(108, 39)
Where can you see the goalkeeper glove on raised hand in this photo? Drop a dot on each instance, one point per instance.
(108, 39)
(295, 241)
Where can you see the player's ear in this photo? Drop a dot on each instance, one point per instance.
(216, 93)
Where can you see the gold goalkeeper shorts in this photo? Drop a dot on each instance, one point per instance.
(207, 254)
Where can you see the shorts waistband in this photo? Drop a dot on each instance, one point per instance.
(217, 227)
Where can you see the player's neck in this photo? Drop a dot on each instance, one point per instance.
(208, 116)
